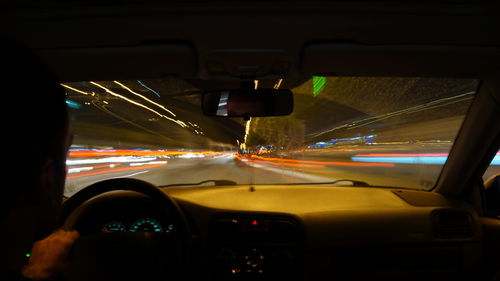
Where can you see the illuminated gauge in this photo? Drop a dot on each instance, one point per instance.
(147, 225)
(170, 228)
(113, 226)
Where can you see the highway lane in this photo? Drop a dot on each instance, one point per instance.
(404, 165)
(194, 170)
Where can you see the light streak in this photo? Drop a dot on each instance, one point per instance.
(131, 152)
(76, 90)
(89, 168)
(289, 164)
(256, 83)
(191, 155)
(279, 164)
(148, 163)
(318, 84)
(113, 170)
(278, 84)
(273, 161)
(142, 84)
(182, 124)
(145, 98)
(78, 170)
(126, 159)
(247, 131)
(403, 158)
(73, 104)
(403, 155)
(413, 109)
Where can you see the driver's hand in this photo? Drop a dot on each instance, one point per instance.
(49, 256)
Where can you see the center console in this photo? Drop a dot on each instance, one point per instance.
(255, 247)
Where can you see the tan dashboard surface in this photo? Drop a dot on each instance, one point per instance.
(330, 215)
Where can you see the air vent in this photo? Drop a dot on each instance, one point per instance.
(450, 224)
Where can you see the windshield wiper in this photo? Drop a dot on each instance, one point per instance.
(216, 183)
(355, 183)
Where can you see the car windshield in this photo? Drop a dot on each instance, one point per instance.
(383, 131)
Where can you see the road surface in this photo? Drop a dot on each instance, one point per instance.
(412, 166)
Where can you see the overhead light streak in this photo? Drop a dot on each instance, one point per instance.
(142, 84)
(278, 84)
(73, 89)
(145, 98)
(180, 123)
(413, 109)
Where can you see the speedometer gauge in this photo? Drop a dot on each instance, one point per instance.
(147, 225)
(113, 226)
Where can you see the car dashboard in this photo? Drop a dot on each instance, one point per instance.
(122, 212)
(302, 232)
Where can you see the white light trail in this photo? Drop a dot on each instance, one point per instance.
(76, 90)
(413, 109)
(81, 169)
(121, 159)
(247, 131)
(145, 98)
(149, 163)
(278, 84)
(180, 123)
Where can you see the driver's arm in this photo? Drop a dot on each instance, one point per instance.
(49, 257)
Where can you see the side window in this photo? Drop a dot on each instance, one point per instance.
(492, 187)
(494, 168)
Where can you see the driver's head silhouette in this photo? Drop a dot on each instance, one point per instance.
(36, 137)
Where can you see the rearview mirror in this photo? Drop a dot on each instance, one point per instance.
(247, 103)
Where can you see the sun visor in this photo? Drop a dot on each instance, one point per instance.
(399, 60)
(122, 63)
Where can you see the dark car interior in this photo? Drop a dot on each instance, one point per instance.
(235, 231)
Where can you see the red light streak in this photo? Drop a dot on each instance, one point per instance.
(130, 152)
(313, 164)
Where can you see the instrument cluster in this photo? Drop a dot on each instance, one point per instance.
(139, 225)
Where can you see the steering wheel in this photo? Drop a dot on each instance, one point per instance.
(129, 255)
